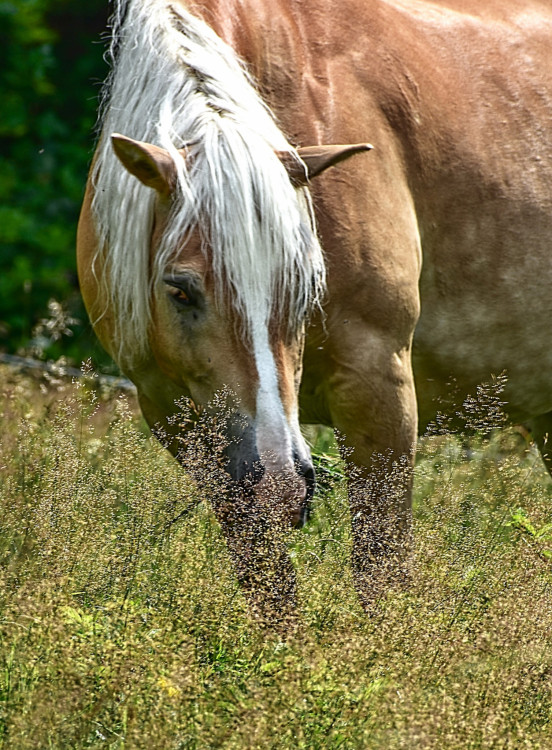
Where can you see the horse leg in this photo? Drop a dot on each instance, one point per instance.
(254, 531)
(257, 545)
(376, 416)
(380, 506)
(541, 432)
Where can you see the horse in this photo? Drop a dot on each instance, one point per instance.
(227, 241)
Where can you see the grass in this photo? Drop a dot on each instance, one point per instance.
(122, 626)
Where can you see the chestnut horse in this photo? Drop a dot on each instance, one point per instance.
(199, 244)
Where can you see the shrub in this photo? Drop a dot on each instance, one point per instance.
(50, 66)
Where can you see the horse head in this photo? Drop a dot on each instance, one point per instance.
(220, 323)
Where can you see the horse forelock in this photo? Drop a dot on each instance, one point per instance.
(174, 83)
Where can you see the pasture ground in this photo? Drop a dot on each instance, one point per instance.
(121, 624)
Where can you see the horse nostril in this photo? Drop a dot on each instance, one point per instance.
(305, 469)
(310, 479)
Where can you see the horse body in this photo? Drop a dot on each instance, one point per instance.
(456, 99)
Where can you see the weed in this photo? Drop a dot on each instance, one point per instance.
(122, 624)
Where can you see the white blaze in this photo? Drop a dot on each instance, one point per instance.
(273, 435)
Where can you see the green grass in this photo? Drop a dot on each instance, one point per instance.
(122, 626)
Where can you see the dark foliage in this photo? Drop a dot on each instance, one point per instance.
(51, 66)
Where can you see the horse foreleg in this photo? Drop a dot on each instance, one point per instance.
(377, 420)
(253, 524)
(256, 540)
(380, 506)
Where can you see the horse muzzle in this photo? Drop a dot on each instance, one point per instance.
(285, 489)
(287, 493)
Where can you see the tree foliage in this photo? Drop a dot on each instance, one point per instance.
(51, 66)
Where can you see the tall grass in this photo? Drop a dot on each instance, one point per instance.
(122, 626)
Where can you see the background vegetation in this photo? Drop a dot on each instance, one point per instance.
(51, 63)
(121, 623)
(122, 626)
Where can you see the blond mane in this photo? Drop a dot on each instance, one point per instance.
(175, 82)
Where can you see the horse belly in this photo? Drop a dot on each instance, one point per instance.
(486, 312)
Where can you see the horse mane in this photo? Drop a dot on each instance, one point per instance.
(175, 83)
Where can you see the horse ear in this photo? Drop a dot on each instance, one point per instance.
(152, 165)
(316, 159)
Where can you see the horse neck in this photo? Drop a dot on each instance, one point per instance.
(287, 46)
(266, 35)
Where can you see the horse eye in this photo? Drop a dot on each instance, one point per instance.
(180, 296)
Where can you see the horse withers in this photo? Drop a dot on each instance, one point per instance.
(202, 269)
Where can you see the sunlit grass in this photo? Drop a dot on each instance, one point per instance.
(122, 625)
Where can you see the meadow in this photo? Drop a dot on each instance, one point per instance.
(122, 625)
